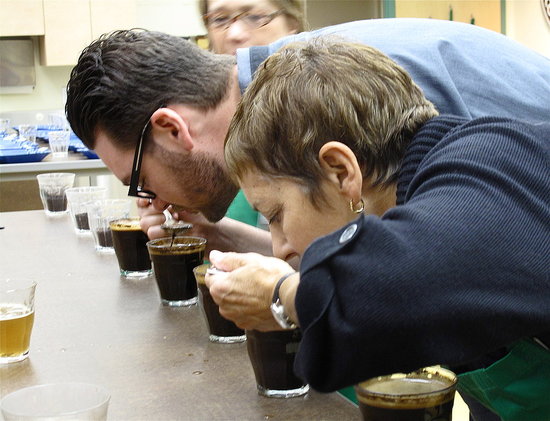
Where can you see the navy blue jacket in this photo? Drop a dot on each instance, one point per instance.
(457, 270)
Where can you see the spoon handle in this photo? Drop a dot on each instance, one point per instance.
(168, 216)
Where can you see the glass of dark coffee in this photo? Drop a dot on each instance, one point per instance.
(173, 261)
(272, 356)
(100, 215)
(423, 395)
(78, 198)
(130, 244)
(220, 329)
(52, 187)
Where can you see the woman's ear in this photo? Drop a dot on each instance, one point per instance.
(170, 129)
(341, 167)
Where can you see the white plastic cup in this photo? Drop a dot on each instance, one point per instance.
(59, 143)
(57, 401)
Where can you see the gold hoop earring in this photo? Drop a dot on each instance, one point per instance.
(361, 206)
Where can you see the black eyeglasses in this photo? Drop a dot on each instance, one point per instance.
(135, 189)
(252, 20)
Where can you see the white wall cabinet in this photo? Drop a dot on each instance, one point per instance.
(21, 18)
(67, 30)
(65, 27)
(109, 15)
(70, 25)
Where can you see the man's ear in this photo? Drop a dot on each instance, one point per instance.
(170, 129)
(341, 167)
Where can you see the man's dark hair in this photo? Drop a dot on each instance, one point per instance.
(123, 77)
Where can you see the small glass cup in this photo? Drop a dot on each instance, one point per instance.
(4, 127)
(52, 187)
(173, 261)
(78, 198)
(130, 244)
(220, 329)
(28, 132)
(57, 121)
(57, 401)
(100, 215)
(59, 143)
(425, 394)
(272, 356)
(16, 319)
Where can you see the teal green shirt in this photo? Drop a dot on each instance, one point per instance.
(240, 210)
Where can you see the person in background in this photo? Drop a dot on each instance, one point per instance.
(176, 101)
(233, 24)
(424, 237)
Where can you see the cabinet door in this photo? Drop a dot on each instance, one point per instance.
(21, 17)
(109, 15)
(67, 31)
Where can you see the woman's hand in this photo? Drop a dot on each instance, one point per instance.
(244, 292)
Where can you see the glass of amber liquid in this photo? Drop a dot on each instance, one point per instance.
(16, 319)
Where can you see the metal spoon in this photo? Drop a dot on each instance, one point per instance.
(173, 226)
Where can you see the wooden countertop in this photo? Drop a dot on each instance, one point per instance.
(157, 362)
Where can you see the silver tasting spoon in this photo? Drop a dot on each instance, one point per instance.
(173, 226)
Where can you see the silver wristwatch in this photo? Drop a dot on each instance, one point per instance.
(277, 308)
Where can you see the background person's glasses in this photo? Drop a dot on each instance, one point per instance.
(135, 189)
(250, 19)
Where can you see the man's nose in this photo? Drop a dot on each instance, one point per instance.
(159, 204)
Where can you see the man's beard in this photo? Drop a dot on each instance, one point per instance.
(203, 177)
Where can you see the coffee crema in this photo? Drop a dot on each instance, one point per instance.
(130, 244)
(173, 263)
(423, 395)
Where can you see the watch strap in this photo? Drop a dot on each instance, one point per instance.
(277, 308)
(278, 287)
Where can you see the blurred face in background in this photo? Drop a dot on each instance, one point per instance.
(233, 24)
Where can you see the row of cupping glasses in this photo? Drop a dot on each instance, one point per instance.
(179, 270)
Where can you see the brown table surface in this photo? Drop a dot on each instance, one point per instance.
(92, 326)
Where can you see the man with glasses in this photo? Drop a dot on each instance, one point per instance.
(165, 105)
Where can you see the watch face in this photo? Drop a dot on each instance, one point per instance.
(280, 317)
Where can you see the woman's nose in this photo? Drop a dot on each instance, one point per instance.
(281, 247)
(237, 31)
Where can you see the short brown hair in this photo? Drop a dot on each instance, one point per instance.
(292, 9)
(313, 92)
